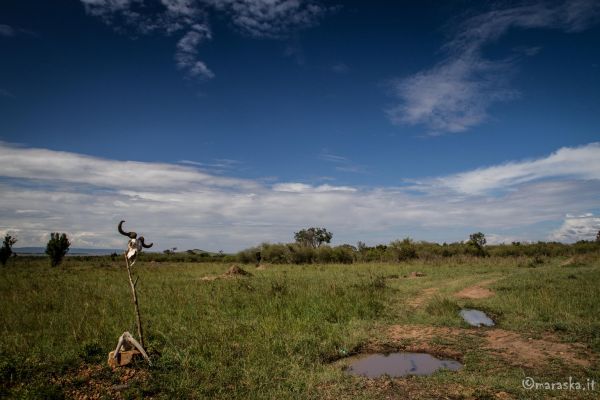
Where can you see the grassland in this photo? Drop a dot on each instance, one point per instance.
(288, 331)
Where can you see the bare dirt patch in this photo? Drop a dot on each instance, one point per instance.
(393, 388)
(478, 291)
(510, 346)
(417, 338)
(91, 382)
(531, 352)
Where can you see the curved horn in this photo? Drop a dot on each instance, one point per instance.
(147, 246)
(131, 235)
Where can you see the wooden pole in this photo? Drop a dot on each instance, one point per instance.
(138, 319)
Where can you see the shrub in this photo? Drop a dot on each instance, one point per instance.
(249, 256)
(324, 254)
(301, 254)
(402, 250)
(275, 253)
(343, 254)
(57, 247)
(6, 250)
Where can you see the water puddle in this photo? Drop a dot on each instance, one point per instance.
(400, 364)
(476, 317)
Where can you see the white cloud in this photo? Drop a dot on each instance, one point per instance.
(451, 97)
(257, 18)
(568, 162)
(456, 94)
(175, 205)
(187, 52)
(187, 8)
(48, 165)
(106, 6)
(584, 227)
(271, 18)
(294, 187)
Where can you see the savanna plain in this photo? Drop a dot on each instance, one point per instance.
(290, 331)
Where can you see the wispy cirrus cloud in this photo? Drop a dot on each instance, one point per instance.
(12, 31)
(342, 164)
(184, 206)
(455, 94)
(65, 167)
(187, 52)
(190, 18)
(272, 18)
(216, 166)
(582, 163)
(7, 30)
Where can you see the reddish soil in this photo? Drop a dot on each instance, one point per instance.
(479, 291)
(510, 346)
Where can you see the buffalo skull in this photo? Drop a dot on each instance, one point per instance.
(135, 245)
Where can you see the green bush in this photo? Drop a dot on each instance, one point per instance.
(402, 250)
(277, 253)
(324, 254)
(6, 249)
(57, 247)
(344, 254)
(301, 254)
(249, 256)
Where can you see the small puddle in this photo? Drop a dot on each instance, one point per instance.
(400, 364)
(476, 317)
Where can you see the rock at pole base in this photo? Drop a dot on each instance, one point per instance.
(123, 358)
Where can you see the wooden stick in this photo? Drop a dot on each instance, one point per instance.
(138, 319)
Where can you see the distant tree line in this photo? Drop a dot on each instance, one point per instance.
(304, 251)
(311, 245)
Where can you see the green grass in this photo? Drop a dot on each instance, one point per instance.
(278, 333)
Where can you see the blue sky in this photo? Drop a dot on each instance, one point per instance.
(219, 124)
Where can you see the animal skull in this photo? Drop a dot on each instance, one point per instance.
(135, 245)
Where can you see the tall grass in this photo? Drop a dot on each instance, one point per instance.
(272, 335)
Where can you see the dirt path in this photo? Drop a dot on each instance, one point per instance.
(507, 345)
(478, 291)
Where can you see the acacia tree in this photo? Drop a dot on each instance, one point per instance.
(477, 240)
(598, 237)
(313, 237)
(6, 249)
(57, 247)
